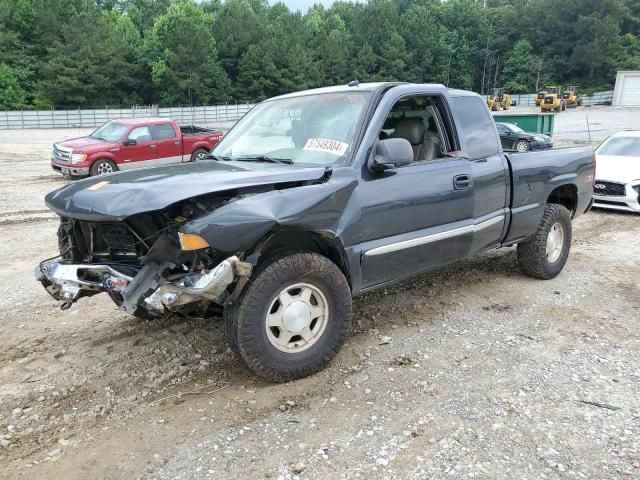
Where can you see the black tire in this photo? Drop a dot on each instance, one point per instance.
(141, 313)
(249, 316)
(523, 146)
(102, 167)
(199, 154)
(230, 317)
(532, 254)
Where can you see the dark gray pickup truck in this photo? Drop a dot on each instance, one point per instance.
(311, 198)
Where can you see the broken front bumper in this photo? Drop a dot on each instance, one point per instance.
(70, 282)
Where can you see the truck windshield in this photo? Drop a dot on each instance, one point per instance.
(318, 129)
(109, 132)
(621, 147)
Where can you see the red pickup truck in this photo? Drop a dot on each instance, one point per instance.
(132, 143)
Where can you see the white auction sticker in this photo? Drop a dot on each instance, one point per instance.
(325, 145)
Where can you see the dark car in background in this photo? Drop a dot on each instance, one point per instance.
(516, 139)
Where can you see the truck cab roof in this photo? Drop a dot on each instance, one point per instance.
(374, 86)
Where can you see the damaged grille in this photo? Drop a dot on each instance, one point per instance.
(83, 241)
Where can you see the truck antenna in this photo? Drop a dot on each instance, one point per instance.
(353, 83)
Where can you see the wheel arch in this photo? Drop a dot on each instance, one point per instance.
(324, 243)
(565, 195)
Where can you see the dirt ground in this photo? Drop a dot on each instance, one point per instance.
(471, 371)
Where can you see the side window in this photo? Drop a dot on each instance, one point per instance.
(475, 126)
(417, 120)
(140, 134)
(501, 129)
(164, 131)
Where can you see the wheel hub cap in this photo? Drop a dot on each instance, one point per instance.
(297, 318)
(555, 242)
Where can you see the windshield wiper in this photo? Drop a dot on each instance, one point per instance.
(264, 158)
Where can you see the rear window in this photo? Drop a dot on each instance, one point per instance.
(164, 131)
(475, 126)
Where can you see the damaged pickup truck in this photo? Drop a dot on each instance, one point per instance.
(311, 198)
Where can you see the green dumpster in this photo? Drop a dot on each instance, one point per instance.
(530, 122)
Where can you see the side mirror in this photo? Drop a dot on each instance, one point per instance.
(391, 153)
(130, 141)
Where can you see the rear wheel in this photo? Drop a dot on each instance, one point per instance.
(102, 166)
(199, 154)
(292, 317)
(545, 254)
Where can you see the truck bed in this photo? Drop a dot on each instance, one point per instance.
(534, 177)
(187, 130)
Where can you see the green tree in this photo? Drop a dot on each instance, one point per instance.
(12, 95)
(89, 65)
(236, 27)
(181, 53)
(521, 68)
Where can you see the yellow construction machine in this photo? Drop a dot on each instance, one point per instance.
(553, 100)
(499, 100)
(570, 95)
(540, 96)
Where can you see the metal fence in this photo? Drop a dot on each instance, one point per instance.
(204, 115)
(598, 98)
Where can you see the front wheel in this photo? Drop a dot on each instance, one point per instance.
(522, 146)
(102, 166)
(292, 317)
(545, 254)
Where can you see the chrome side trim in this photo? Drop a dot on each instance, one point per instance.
(488, 223)
(435, 237)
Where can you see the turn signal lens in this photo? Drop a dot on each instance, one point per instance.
(191, 241)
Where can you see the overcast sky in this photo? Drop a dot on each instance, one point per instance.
(303, 5)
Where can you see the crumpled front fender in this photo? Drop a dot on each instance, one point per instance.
(238, 226)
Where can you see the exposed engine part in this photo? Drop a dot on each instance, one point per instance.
(149, 277)
(205, 285)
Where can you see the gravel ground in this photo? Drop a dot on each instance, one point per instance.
(472, 371)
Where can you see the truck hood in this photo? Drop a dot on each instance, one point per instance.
(120, 195)
(85, 145)
(617, 169)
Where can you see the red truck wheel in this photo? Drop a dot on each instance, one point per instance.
(199, 154)
(102, 166)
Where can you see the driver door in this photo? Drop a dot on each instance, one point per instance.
(415, 217)
(143, 153)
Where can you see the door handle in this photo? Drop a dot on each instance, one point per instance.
(153, 145)
(177, 143)
(461, 182)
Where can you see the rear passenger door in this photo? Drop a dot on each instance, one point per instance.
(169, 143)
(139, 149)
(489, 167)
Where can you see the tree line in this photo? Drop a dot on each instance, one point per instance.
(88, 53)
